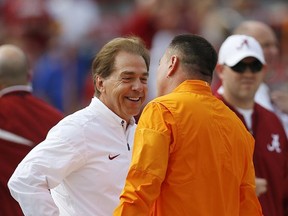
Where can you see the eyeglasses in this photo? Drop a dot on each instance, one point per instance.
(240, 67)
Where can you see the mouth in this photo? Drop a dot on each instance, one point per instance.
(134, 99)
(248, 82)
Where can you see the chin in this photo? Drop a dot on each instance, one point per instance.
(134, 113)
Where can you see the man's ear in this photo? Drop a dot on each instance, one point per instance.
(29, 75)
(219, 70)
(265, 69)
(173, 65)
(99, 83)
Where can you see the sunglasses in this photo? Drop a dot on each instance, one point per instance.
(241, 67)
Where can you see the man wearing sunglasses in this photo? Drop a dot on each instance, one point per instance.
(241, 68)
(273, 91)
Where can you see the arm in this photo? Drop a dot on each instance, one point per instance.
(280, 99)
(249, 203)
(261, 186)
(31, 191)
(43, 169)
(149, 163)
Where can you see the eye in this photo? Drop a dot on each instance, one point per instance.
(144, 80)
(126, 79)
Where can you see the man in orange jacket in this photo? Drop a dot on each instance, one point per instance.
(192, 155)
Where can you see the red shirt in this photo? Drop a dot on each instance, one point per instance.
(24, 122)
(270, 157)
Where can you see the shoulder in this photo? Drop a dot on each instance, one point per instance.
(268, 120)
(75, 124)
(266, 114)
(170, 101)
(38, 105)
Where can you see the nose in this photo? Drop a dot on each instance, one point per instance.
(275, 49)
(248, 71)
(138, 85)
(271, 52)
(272, 48)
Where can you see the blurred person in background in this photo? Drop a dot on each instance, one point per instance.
(271, 93)
(57, 39)
(29, 26)
(169, 24)
(80, 37)
(80, 168)
(141, 21)
(24, 119)
(241, 68)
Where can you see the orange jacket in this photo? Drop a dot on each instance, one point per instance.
(191, 156)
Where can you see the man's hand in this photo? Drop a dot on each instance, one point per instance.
(261, 186)
(280, 99)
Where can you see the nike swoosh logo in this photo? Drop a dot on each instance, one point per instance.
(111, 157)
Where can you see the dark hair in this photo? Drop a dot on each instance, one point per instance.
(103, 63)
(196, 54)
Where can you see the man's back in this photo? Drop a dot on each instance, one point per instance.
(203, 167)
(211, 159)
(24, 122)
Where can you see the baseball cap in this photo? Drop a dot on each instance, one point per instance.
(237, 47)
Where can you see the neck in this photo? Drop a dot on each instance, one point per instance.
(9, 89)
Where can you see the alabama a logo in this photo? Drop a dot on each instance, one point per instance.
(244, 42)
(275, 144)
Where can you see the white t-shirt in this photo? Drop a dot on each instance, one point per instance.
(247, 114)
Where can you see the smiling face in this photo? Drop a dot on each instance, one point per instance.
(125, 90)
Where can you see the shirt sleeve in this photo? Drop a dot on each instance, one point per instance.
(149, 161)
(43, 168)
(249, 204)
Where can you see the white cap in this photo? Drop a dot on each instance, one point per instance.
(237, 47)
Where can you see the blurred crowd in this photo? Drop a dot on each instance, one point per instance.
(62, 37)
